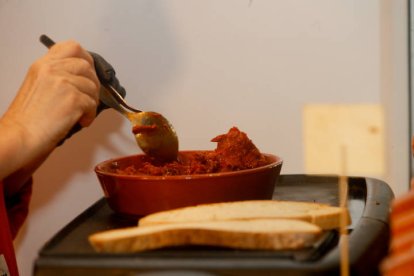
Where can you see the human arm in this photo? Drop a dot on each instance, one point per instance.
(60, 89)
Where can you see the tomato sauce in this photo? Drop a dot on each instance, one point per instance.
(136, 129)
(234, 152)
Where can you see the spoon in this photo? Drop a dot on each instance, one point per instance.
(153, 132)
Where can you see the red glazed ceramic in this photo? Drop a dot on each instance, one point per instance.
(139, 195)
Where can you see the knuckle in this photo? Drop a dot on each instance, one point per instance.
(74, 47)
(83, 66)
(37, 65)
(95, 87)
(43, 69)
(89, 110)
(92, 103)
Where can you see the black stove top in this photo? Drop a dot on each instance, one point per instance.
(69, 253)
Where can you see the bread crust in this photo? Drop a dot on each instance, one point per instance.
(325, 216)
(257, 234)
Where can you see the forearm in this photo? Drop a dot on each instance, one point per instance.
(12, 149)
(18, 158)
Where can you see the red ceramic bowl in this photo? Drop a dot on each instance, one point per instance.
(139, 195)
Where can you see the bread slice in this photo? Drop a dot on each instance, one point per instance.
(256, 234)
(325, 216)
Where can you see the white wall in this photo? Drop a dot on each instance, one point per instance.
(207, 66)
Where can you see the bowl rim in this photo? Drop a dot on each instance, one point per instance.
(99, 171)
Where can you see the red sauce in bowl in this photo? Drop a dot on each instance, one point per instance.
(234, 152)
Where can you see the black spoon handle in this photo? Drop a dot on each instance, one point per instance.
(47, 41)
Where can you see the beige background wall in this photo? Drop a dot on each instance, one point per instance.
(208, 66)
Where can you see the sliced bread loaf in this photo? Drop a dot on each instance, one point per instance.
(325, 216)
(257, 234)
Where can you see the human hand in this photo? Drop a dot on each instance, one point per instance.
(60, 89)
(106, 75)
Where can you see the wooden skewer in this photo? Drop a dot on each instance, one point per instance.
(343, 199)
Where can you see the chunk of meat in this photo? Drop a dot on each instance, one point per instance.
(237, 152)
